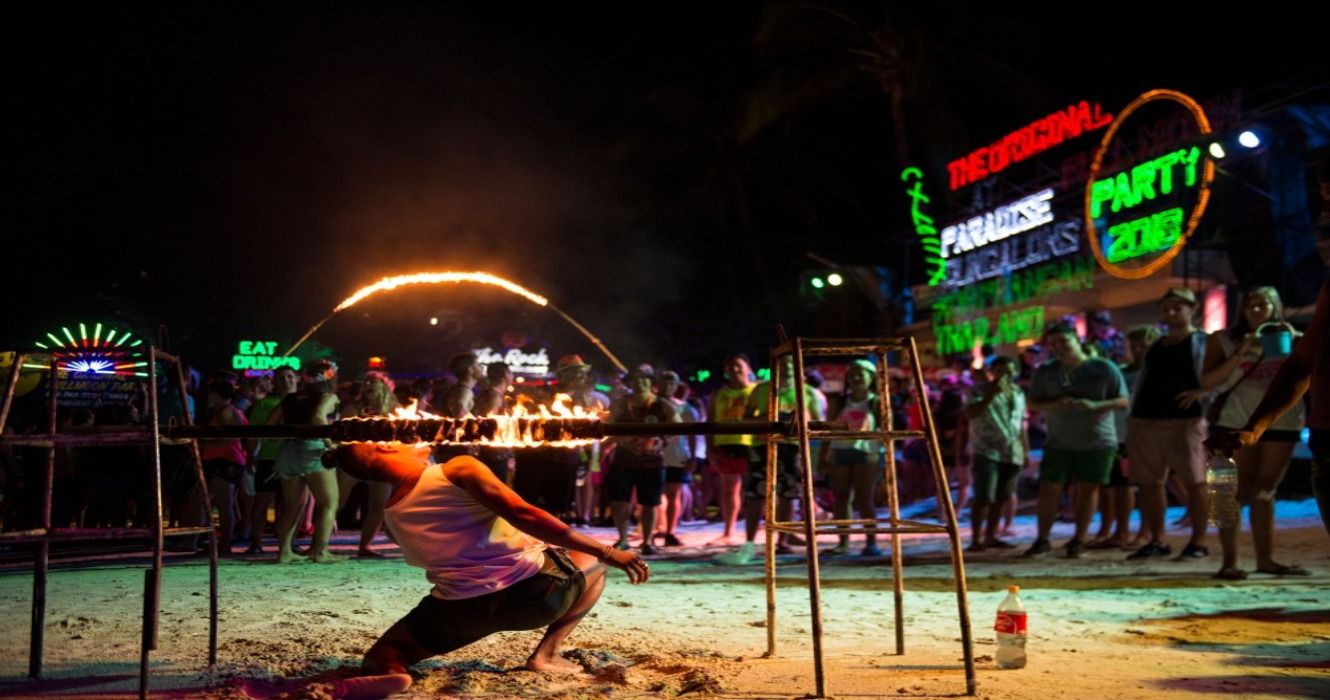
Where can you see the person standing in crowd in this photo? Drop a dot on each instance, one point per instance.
(1166, 430)
(1078, 394)
(549, 476)
(999, 448)
(1240, 366)
(1118, 501)
(485, 551)
(788, 466)
(284, 382)
(949, 417)
(729, 455)
(224, 460)
(460, 398)
(639, 462)
(853, 466)
(1307, 368)
(679, 459)
(300, 463)
(494, 399)
(377, 397)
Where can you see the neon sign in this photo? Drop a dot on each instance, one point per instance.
(1007, 328)
(1159, 233)
(261, 356)
(1040, 282)
(1034, 138)
(519, 362)
(1011, 237)
(923, 227)
(107, 355)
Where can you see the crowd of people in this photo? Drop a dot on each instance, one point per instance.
(1100, 423)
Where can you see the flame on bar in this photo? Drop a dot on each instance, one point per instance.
(559, 424)
(440, 277)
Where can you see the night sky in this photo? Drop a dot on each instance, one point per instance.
(233, 172)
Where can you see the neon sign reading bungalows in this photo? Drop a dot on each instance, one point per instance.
(1023, 143)
(1010, 237)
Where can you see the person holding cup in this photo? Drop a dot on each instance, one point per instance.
(1239, 364)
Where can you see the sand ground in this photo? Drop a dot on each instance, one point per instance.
(1099, 627)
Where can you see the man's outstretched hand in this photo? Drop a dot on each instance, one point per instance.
(1228, 441)
(630, 563)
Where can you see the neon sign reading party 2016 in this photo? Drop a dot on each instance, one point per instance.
(1013, 236)
(1140, 209)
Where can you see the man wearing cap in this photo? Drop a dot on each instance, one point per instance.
(681, 455)
(639, 462)
(550, 475)
(1166, 429)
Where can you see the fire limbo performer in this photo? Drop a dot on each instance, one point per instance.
(485, 550)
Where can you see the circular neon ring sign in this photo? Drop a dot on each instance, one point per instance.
(1203, 197)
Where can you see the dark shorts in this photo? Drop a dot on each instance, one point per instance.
(678, 475)
(440, 626)
(849, 457)
(1117, 476)
(647, 475)
(265, 476)
(497, 460)
(1077, 466)
(994, 481)
(788, 485)
(222, 469)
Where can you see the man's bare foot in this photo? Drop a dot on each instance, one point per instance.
(326, 558)
(555, 664)
(286, 556)
(723, 541)
(371, 554)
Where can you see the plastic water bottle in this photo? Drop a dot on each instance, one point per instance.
(1221, 478)
(1010, 627)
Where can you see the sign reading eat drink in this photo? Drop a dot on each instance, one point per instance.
(261, 355)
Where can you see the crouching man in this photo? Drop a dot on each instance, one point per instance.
(488, 554)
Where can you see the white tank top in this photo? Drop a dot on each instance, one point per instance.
(1249, 391)
(465, 549)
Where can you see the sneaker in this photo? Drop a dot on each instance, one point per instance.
(1038, 549)
(1153, 549)
(1194, 551)
(672, 541)
(871, 551)
(740, 557)
(621, 545)
(647, 550)
(1075, 549)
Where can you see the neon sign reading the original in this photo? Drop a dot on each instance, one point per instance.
(519, 362)
(261, 356)
(1028, 141)
(923, 227)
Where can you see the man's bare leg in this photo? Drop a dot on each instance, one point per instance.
(546, 657)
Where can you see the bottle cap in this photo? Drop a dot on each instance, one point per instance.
(1013, 589)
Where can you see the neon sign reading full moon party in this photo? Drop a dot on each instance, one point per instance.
(1136, 216)
(104, 351)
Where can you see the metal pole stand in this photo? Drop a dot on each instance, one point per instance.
(805, 431)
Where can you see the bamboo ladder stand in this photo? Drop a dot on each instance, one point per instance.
(893, 525)
(156, 532)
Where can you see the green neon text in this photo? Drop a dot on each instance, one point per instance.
(1144, 182)
(1143, 236)
(1009, 327)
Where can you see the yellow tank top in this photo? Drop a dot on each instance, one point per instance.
(728, 407)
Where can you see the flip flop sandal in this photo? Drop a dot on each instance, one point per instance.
(1227, 574)
(1288, 570)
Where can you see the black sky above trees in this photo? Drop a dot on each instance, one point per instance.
(234, 171)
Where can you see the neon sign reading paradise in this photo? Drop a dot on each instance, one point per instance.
(1013, 236)
(923, 227)
(1159, 233)
(262, 356)
(1039, 136)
